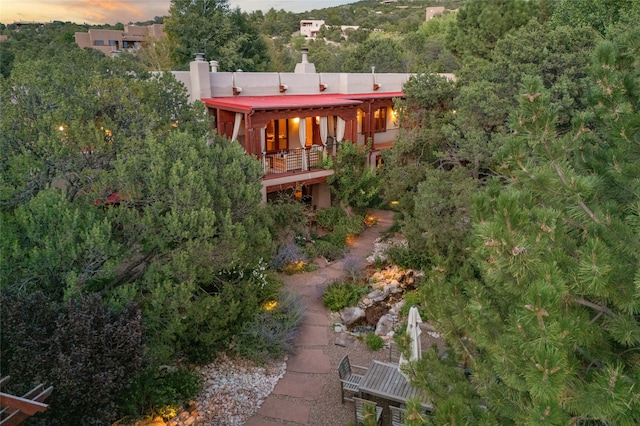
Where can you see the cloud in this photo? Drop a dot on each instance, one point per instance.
(84, 11)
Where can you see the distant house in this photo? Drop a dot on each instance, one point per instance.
(309, 28)
(19, 24)
(434, 11)
(112, 42)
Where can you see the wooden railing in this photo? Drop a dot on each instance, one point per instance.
(292, 160)
(15, 409)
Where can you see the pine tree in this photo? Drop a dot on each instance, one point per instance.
(544, 320)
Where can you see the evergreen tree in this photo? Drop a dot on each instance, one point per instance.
(112, 189)
(544, 317)
(210, 27)
(481, 23)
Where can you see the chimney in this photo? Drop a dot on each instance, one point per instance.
(200, 82)
(214, 66)
(305, 67)
(376, 85)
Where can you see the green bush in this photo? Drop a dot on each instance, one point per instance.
(404, 257)
(329, 250)
(333, 218)
(272, 333)
(338, 237)
(156, 388)
(340, 295)
(287, 215)
(353, 225)
(193, 322)
(353, 182)
(374, 342)
(329, 217)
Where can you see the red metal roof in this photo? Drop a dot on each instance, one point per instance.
(376, 95)
(251, 103)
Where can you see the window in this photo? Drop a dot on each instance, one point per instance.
(277, 135)
(380, 120)
(98, 42)
(113, 43)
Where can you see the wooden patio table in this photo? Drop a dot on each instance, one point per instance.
(384, 380)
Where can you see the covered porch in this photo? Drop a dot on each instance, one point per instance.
(269, 125)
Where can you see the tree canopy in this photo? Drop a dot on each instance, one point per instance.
(118, 205)
(529, 238)
(210, 27)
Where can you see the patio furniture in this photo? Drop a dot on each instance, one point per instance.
(349, 381)
(385, 381)
(397, 415)
(361, 411)
(394, 352)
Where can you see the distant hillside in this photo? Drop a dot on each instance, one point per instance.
(376, 14)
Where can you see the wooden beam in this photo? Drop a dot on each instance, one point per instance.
(15, 417)
(288, 185)
(27, 406)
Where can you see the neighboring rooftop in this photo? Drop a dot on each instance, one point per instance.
(112, 42)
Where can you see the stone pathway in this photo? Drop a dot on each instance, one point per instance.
(308, 393)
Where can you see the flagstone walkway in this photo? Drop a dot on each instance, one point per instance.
(309, 391)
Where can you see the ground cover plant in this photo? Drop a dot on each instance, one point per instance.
(339, 295)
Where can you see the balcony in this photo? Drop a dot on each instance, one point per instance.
(293, 160)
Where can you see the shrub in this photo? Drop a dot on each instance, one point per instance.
(374, 342)
(194, 321)
(338, 237)
(85, 350)
(404, 257)
(329, 250)
(353, 225)
(340, 295)
(353, 268)
(411, 298)
(353, 182)
(272, 333)
(328, 218)
(287, 216)
(155, 389)
(290, 258)
(333, 218)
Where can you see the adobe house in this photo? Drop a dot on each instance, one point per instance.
(291, 121)
(112, 42)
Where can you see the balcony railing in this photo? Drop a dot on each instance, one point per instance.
(292, 160)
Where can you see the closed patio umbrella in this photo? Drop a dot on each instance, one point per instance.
(413, 331)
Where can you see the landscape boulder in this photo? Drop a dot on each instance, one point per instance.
(385, 325)
(351, 314)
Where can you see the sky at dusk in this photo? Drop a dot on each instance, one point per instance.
(97, 12)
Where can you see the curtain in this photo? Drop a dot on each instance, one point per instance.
(323, 135)
(340, 126)
(323, 130)
(236, 126)
(302, 132)
(263, 147)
